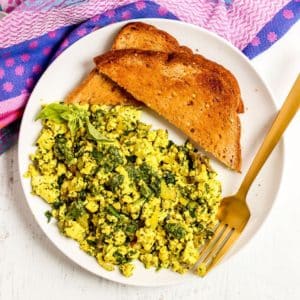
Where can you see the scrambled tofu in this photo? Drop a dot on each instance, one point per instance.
(122, 190)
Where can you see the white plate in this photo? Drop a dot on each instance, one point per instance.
(73, 64)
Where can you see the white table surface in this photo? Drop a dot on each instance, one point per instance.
(267, 268)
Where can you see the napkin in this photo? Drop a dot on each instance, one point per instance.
(35, 32)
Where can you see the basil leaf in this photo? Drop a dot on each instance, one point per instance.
(66, 115)
(95, 134)
(73, 125)
(53, 112)
(74, 116)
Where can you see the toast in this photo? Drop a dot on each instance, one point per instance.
(199, 100)
(138, 35)
(95, 89)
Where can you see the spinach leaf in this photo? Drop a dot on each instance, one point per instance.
(175, 230)
(61, 151)
(98, 155)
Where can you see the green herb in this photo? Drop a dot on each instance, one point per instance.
(53, 112)
(131, 158)
(113, 211)
(82, 195)
(190, 162)
(184, 191)
(170, 144)
(76, 210)
(60, 179)
(175, 230)
(112, 159)
(91, 243)
(131, 228)
(115, 156)
(95, 134)
(57, 204)
(121, 259)
(115, 182)
(192, 205)
(145, 191)
(132, 172)
(155, 185)
(74, 115)
(145, 172)
(98, 155)
(61, 150)
(199, 226)
(48, 215)
(169, 178)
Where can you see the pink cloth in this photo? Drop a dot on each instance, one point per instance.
(214, 15)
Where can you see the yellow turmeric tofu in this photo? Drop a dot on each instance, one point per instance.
(122, 190)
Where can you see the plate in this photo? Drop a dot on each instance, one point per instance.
(74, 63)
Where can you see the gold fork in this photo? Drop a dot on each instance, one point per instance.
(233, 212)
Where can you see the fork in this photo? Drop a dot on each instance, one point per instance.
(233, 213)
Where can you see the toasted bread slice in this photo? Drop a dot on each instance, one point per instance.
(197, 100)
(138, 35)
(96, 89)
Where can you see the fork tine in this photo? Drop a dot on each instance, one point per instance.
(217, 244)
(217, 234)
(226, 245)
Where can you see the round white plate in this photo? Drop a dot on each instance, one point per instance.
(74, 63)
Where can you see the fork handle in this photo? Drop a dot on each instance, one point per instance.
(285, 115)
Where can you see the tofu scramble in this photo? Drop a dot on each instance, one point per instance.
(122, 190)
